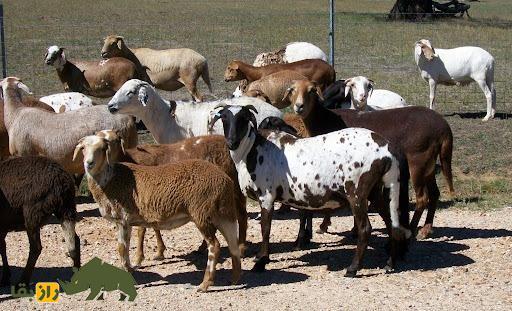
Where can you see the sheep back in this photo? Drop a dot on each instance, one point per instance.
(274, 86)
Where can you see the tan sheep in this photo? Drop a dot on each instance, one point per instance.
(168, 70)
(34, 131)
(99, 79)
(164, 196)
(211, 148)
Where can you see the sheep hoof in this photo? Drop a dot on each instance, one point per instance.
(350, 273)
(159, 257)
(139, 261)
(424, 232)
(389, 269)
(203, 288)
(260, 264)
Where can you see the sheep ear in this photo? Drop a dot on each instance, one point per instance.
(108, 152)
(347, 88)
(119, 42)
(371, 86)
(78, 148)
(122, 146)
(252, 108)
(287, 93)
(318, 91)
(143, 96)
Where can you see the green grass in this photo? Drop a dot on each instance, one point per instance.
(365, 44)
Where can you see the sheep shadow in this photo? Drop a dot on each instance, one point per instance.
(479, 115)
(459, 234)
(451, 202)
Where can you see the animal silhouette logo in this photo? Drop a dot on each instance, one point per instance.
(100, 277)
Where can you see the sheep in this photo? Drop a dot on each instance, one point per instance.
(458, 66)
(421, 134)
(272, 88)
(169, 69)
(165, 197)
(31, 189)
(27, 101)
(280, 167)
(292, 52)
(313, 69)
(34, 131)
(68, 101)
(209, 148)
(172, 121)
(364, 97)
(98, 79)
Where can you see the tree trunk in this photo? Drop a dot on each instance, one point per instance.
(411, 9)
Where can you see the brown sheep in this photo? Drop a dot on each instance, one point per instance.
(313, 69)
(166, 197)
(210, 148)
(99, 79)
(168, 70)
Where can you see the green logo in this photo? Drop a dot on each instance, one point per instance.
(100, 277)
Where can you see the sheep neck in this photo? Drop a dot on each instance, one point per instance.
(12, 101)
(140, 68)
(246, 144)
(162, 125)
(251, 73)
(103, 177)
(321, 120)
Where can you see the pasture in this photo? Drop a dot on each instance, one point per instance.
(365, 44)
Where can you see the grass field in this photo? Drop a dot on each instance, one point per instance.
(365, 44)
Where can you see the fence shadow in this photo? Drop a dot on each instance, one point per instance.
(479, 115)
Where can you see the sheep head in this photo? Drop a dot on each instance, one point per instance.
(233, 72)
(95, 151)
(116, 143)
(131, 97)
(359, 88)
(15, 84)
(237, 121)
(55, 57)
(303, 95)
(113, 46)
(425, 47)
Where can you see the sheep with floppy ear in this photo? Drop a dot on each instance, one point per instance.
(363, 95)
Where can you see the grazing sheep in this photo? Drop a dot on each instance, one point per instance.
(313, 69)
(31, 190)
(458, 66)
(273, 87)
(170, 121)
(312, 173)
(292, 52)
(209, 148)
(169, 69)
(99, 79)
(37, 132)
(163, 197)
(364, 97)
(420, 134)
(62, 102)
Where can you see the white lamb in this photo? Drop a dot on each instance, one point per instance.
(458, 66)
(364, 97)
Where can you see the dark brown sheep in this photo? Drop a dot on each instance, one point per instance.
(31, 189)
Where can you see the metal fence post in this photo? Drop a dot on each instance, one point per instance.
(331, 32)
(2, 41)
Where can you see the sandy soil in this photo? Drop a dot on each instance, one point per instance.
(466, 265)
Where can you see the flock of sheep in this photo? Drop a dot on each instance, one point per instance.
(211, 156)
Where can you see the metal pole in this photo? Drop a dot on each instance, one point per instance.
(2, 41)
(331, 32)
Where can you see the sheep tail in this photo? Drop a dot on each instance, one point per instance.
(445, 157)
(205, 74)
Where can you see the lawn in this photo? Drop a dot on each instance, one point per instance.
(365, 44)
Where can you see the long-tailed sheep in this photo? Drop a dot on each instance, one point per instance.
(172, 121)
(312, 173)
(458, 66)
(37, 132)
(210, 148)
(99, 79)
(31, 190)
(168, 70)
(165, 197)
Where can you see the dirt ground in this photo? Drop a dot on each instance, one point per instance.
(466, 265)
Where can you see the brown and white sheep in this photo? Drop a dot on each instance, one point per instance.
(37, 132)
(166, 197)
(31, 189)
(210, 148)
(313, 69)
(99, 79)
(168, 70)
(421, 134)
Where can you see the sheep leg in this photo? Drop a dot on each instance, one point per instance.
(229, 231)
(191, 85)
(433, 194)
(360, 211)
(160, 246)
(213, 255)
(139, 256)
(432, 84)
(304, 236)
(72, 241)
(6, 272)
(324, 226)
(123, 245)
(263, 255)
(242, 223)
(489, 97)
(34, 240)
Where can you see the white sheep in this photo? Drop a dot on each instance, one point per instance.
(292, 52)
(164, 197)
(458, 66)
(363, 96)
(313, 173)
(68, 101)
(171, 121)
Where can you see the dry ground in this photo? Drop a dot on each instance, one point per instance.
(465, 265)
